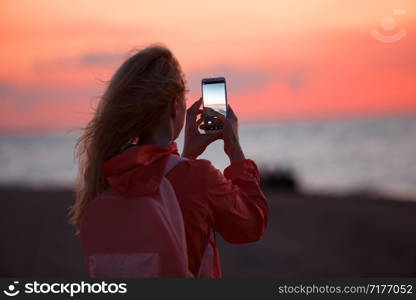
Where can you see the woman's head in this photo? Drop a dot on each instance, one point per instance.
(142, 92)
(146, 94)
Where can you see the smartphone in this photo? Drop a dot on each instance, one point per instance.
(214, 95)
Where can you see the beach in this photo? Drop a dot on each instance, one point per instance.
(309, 235)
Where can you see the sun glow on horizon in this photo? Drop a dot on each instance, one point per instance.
(282, 59)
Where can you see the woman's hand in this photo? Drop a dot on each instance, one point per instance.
(230, 134)
(195, 142)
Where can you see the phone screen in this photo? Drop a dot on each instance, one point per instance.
(214, 96)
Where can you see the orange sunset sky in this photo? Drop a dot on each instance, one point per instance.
(282, 59)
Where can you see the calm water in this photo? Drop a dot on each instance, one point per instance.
(372, 155)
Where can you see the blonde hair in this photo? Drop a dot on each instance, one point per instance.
(128, 110)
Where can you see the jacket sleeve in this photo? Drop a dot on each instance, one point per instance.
(240, 209)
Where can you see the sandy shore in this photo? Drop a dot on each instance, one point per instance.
(308, 236)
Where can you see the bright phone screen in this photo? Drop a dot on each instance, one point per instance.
(214, 96)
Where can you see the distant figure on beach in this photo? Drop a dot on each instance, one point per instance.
(143, 209)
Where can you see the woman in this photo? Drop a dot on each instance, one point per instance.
(135, 127)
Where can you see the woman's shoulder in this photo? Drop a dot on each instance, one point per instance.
(201, 169)
(202, 165)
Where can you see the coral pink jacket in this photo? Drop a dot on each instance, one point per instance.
(231, 203)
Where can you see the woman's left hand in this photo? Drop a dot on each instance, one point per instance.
(195, 142)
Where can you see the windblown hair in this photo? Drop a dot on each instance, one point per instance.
(129, 109)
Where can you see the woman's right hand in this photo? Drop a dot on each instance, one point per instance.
(195, 142)
(230, 134)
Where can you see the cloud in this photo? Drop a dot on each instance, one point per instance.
(101, 58)
(87, 60)
(294, 79)
(238, 79)
(20, 95)
(245, 79)
(10, 92)
(6, 88)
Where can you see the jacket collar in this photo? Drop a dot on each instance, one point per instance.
(138, 170)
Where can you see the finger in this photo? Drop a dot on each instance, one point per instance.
(231, 114)
(192, 112)
(199, 115)
(194, 107)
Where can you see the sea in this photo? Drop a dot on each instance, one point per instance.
(376, 155)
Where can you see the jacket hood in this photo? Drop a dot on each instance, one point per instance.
(138, 171)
